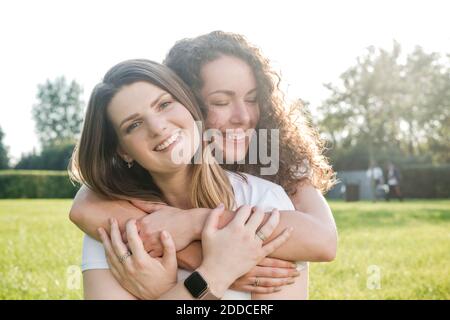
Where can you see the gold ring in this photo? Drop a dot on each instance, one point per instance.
(122, 258)
(261, 236)
(256, 283)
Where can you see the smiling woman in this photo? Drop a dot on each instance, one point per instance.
(145, 111)
(236, 92)
(231, 95)
(149, 135)
(131, 119)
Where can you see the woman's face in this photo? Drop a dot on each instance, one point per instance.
(153, 128)
(229, 93)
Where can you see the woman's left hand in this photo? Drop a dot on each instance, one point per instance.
(143, 276)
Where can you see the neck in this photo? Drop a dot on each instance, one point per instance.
(175, 187)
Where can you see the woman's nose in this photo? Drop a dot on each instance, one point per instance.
(157, 125)
(240, 113)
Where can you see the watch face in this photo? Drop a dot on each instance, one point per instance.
(195, 284)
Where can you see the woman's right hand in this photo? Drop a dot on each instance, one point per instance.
(232, 251)
(272, 275)
(140, 274)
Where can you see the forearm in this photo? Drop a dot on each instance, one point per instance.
(199, 216)
(217, 284)
(191, 257)
(311, 202)
(100, 284)
(90, 212)
(308, 241)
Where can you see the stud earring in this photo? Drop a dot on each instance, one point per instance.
(130, 164)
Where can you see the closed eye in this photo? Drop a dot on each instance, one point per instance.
(220, 103)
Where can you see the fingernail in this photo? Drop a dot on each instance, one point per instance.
(294, 265)
(165, 234)
(297, 274)
(278, 289)
(99, 231)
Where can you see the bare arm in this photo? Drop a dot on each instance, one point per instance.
(313, 238)
(305, 243)
(151, 278)
(312, 203)
(99, 284)
(91, 211)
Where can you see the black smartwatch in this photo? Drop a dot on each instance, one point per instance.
(198, 287)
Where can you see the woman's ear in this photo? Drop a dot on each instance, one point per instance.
(123, 155)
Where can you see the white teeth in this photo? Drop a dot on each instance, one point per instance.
(235, 135)
(168, 142)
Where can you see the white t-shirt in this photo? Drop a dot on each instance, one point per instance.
(376, 173)
(255, 191)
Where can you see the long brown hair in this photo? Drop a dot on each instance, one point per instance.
(301, 149)
(96, 163)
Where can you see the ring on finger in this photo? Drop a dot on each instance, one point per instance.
(256, 283)
(261, 236)
(124, 257)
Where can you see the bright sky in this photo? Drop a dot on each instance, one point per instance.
(310, 42)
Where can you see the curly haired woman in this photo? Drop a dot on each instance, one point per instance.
(237, 91)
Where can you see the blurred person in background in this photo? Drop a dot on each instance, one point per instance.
(393, 180)
(375, 174)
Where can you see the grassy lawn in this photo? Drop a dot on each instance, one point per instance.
(386, 251)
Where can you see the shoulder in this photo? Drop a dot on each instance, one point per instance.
(252, 190)
(252, 182)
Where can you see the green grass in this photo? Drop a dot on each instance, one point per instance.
(40, 250)
(408, 243)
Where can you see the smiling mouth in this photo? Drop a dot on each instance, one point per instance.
(168, 142)
(237, 137)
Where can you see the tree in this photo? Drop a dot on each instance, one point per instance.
(52, 157)
(426, 108)
(4, 159)
(59, 111)
(383, 107)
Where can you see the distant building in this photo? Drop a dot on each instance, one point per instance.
(353, 185)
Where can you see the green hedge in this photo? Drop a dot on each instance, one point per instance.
(417, 182)
(35, 184)
(426, 181)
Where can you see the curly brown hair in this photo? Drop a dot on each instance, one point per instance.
(301, 149)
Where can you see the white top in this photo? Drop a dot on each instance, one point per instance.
(392, 181)
(256, 191)
(375, 172)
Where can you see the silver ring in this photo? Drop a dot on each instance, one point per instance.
(124, 257)
(261, 236)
